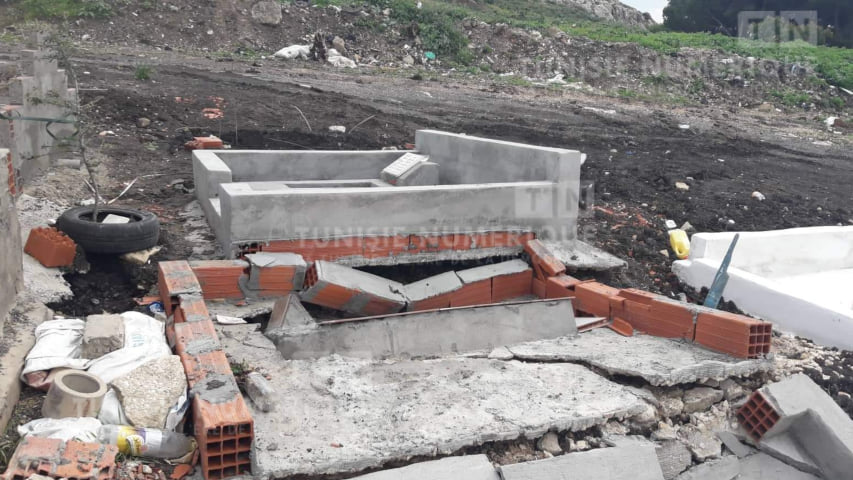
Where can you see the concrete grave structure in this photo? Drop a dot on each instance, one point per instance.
(799, 279)
(39, 91)
(454, 197)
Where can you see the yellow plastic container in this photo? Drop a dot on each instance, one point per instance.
(680, 243)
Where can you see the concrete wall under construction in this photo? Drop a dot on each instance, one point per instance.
(798, 278)
(250, 197)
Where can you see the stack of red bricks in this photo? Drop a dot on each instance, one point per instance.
(223, 425)
(55, 458)
(632, 309)
(392, 245)
(51, 247)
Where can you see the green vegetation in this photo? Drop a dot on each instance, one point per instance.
(53, 9)
(791, 98)
(143, 72)
(440, 29)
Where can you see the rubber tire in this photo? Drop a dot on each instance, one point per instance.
(142, 232)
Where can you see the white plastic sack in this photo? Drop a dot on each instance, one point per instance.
(336, 59)
(177, 412)
(83, 429)
(144, 340)
(293, 51)
(57, 345)
(111, 411)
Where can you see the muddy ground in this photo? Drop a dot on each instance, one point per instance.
(637, 151)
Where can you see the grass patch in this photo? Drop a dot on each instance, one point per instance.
(791, 98)
(143, 72)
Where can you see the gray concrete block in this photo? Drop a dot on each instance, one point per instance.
(407, 163)
(103, 334)
(469, 467)
(627, 463)
(430, 333)
(476, 274)
(421, 175)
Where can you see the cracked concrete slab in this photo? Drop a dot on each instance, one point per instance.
(345, 415)
(637, 462)
(765, 467)
(660, 361)
(471, 467)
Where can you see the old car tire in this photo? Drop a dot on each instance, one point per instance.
(140, 233)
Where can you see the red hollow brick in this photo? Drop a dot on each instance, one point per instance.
(220, 278)
(386, 246)
(561, 286)
(51, 247)
(540, 288)
(757, 416)
(594, 298)
(225, 433)
(505, 287)
(734, 334)
(336, 286)
(476, 293)
(622, 327)
(60, 459)
(542, 257)
(204, 143)
(175, 278)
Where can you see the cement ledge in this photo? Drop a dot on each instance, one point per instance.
(15, 343)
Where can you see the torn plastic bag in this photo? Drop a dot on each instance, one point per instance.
(57, 345)
(84, 429)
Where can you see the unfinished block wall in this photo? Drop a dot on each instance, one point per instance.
(33, 86)
(11, 268)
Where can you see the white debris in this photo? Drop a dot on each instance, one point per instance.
(758, 196)
(670, 224)
(294, 51)
(226, 320)
(830, 122)
(684, 126)
(557, 80)
(600, 110)
(336, 59)
(682, 186)
(338, 129)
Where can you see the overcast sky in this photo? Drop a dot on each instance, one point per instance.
(655, 7)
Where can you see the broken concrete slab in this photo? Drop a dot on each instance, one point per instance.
(486, 272)
(626, 463)
(660, 361)
(343, 288)
(102, 334)
(347, 415)
(786, 448)
(734, 444)
(579, 255)
(148, 392)
(820, 426)
(725, 468)
(673, 457)
(469, 467)
(429, 333)
(289, 312)
(421, 175)
(764, 467)
(700, 399)
(432, 292)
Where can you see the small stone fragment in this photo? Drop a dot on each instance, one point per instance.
(701, 398)
(550, 443)
(103, 334)
(260, 391)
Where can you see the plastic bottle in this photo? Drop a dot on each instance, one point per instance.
(146, 442)
(680, 243)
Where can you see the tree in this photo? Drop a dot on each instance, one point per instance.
(721, 16)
